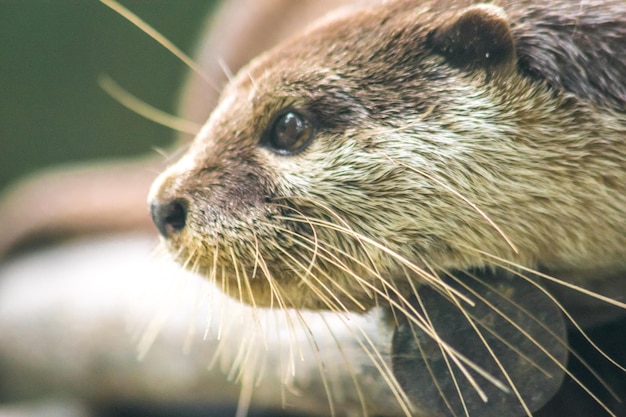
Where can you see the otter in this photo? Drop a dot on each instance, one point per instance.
(451, 163)
(400, 151)
(438, 106)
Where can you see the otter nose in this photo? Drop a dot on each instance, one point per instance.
(169, 217)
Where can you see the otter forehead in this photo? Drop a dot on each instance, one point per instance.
(340, 67)
(318, 73)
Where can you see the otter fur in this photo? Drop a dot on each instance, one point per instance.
(451, 135)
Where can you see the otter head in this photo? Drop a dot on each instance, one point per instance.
(363, 156)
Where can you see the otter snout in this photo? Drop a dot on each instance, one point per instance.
(169, 217)
(168, 208)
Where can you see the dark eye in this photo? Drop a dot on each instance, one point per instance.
(290, 133)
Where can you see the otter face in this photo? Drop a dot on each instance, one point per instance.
(366, 155)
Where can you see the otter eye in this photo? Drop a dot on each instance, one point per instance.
(290, 133)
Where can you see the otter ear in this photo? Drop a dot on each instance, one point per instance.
(477, 37)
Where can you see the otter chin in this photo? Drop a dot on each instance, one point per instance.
(388, 144)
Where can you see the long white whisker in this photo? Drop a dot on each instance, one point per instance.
(334, 306)
(446, 359)
(237, 275)
(443, 351)
(487, 346)
(225, 69)
(574, 287)
(433, 281)
(316, 350)
(301, 241)
(131, 102)
(275, 288)
(163, 41)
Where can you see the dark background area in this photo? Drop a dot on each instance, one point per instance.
(51, 55)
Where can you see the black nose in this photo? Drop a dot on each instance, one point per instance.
(169, 217)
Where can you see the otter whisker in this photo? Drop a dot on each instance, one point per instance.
(590, 369)
(225, 283)
(574, 287)
(338, 263)
(458, 359)
(321, 364)
(413, 317)
(256, 255)
(522, 331)
(506, 265)
(381, 365)
(461, 366)
(587, 338)
(255, 315)
(241, 358)
(131, 102)
(191, 328)
(334, 260)
(342, 221)
(372, 263)
(454, 354)
(213, 280)
(446, 359)
(339, 306)
(245, 397)
(275, 288)
(156, 324)
(444, 354)
(470, 319)
(235, 265)
(301, 241)
(159, 252)
(433, 281)
(225, 69)
(162, 40)
(313, 230)
(512, 323)
(584, 334)
(560, 340)
(323, 369)
(416, 318)
(258, 260)
(254, 84)
(381, 369)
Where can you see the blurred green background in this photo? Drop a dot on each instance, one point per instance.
(51, 55)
